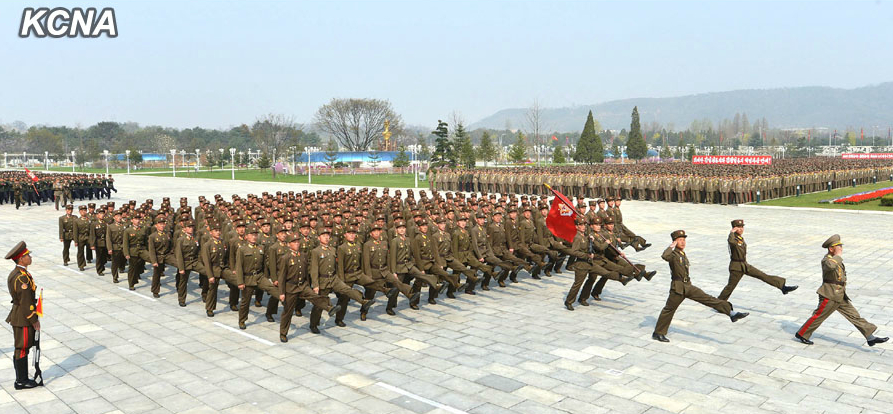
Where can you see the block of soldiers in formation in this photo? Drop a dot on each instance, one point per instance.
(389, 244)
(676, 182)
(16, 187)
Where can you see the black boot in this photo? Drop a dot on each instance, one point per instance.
(558, 264)
(22, 379)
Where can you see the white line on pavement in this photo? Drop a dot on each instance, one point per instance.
(419, 398)
(239, 331)
(138, 294)
(70, 269)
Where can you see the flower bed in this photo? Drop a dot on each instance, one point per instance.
(863, 197)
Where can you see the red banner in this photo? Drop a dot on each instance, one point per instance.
(883, 156)
(733, 159)
(31, 175)
(561, 217)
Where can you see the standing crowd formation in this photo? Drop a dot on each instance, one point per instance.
(19, 188)
(675, 182)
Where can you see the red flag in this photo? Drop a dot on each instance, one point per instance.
(554, 138)
(560, 220)
(39, 308)
(808, 136)
(31, 175)
(862, 135)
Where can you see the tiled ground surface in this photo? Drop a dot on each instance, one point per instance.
(512, 350)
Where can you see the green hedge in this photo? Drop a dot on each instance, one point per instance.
(887, 200)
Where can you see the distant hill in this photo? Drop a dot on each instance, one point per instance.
(812, 106)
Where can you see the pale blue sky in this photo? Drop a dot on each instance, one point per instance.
(217, 64)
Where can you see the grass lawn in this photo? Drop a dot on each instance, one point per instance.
(112, 171)
(812, 199)
(359, 180)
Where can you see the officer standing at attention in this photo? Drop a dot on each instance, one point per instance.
(66, 232)
(833, 297)
(739, 267)
(681, 289)
(23, 315)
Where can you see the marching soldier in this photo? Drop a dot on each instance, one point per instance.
(214, 257)
(425, 254)
(739, 267)
(681, 288)
(445, 258)
(401, 263)
(324, 280)
(249, 269)
(517, 244)
(375, 266)
(350, 272)
(97, 241)
(114, 240)
(294, 282)
(23, 314)
(82, 236)
(66, 232)
(483, 252)
(160, 251)
(134, 251)
(502, 250)
(833, 297)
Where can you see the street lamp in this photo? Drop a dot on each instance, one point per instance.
(174, 161)
(415, 167)
(232, 157)
(127, 155)
(198, 160)
(5, 164)
(307, 151)
(72, 161)
(46, 160)
(183, 158)
(106, 153)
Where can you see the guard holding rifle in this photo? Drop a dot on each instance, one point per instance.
(23, 315)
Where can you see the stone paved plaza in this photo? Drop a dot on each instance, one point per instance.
(511, 350)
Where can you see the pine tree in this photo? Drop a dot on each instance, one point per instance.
(463, 147)
(443, 149)
(401, 161)
(486, 151)
(589, 147)
(264, 161)
(636, 148)
(558, 155)
(518, 153)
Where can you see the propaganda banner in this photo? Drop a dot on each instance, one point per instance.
(733, 159)
(881, 156)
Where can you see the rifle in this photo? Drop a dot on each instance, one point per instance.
(37, 372)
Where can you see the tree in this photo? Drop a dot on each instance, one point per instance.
(518, 152)
(212, 158)
(755, 140)
(401, 161)
(164, 143)
(486, 150)
(136, 157)
(264, 161)
(424, 151)
(558, 155)
(331, 155)
(272, 132)
(358, 123)
(443, 148)
(534, 120)
(589, 146)
(691, 153)
(463, 146)
(665, 151)
(635, 146)
(42, 139)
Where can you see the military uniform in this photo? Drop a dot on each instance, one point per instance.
(249, 270)
(294, 282)
(114, 239)
(97, 242)
(160, 251)
(833, 297)
(739, 267)
(401, 263)
(375, 266)
(323, 276)
(66, 233)
(681, 288)
(23, 313)
(82, 238)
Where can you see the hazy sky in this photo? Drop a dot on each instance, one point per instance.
(216, 64)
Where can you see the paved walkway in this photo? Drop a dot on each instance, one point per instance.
(512, 350)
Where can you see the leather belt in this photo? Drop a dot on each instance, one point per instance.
(383, 267)
(837, 283)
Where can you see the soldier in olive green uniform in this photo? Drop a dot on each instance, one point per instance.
(23, 313)
(499, 243)
(375, 266)
(66, 232)
(739, 267)
(833, 297)
(82, 236)
(249, 270)
(401, 263)
(114, 240)
(214, 257)
(186, 254)
(160, 250)
(350, 272)
(324, 280)
(425, 255)
(445, 258)
(97, 241)
(483, 252)
(294, 282)
(681, 288)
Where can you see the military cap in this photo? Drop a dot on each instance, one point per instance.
(376, 226)
(288, 217)
(595, 220)
(189, 223)
(513, 209)
(305, 222)
(440, 219)
(214, 225)
(325, 230)
(240, 223)
(91, 205)
(461, 217)
(677, 234)
(579, 221)
(82, 207)
(738, 223)
(69, 207)
(497, 212)
(264, 222)
(159, 220)
(400, 223)
(18, 251)
(608, 220)
(351, 229)
(609, 198)
(601, 200)
(832, 241)
(291, 238)
(252, 229)
(528, 208)
(481, 215)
